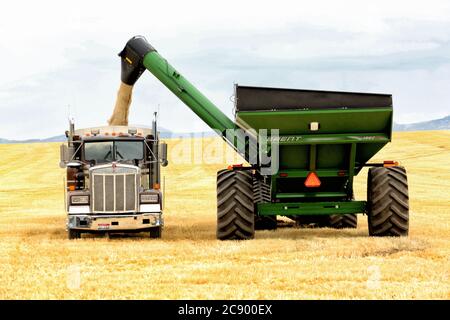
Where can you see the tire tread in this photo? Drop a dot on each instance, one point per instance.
(235, 210)
(388, 201)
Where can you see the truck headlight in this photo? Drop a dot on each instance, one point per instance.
(79, 199)
(149, 198)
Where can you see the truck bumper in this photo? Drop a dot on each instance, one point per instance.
(104, 222)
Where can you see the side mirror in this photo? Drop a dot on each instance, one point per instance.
(65, 154)
(163, 154)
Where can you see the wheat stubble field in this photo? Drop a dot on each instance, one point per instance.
(37, 262)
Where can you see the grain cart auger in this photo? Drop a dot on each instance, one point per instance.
(318, 142)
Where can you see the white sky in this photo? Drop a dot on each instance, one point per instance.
(58, 53)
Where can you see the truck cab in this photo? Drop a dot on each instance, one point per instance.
(112, 181)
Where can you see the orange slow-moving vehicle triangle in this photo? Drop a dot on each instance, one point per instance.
(312, 180)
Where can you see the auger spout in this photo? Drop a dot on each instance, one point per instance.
(139, 55)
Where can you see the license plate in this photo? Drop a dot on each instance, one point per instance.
(103, 226)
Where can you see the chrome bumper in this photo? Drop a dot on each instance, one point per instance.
(114, 222)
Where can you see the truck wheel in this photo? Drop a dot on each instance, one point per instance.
(155, 233)
(261, 194)
(235, 208)
(73, 234)
(343, 221)
(387, 201)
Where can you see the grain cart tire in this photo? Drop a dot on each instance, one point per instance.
(265, 223)
(235, 208)
(261, 194)
(155, 233)
(312, 221)
(343, 221)
(73, 234)
(387, 201)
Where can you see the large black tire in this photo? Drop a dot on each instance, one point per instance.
(155, 233)
(312, 221)
(73, 234)
(336, 221)
(387, 201)
(343, 221)
(265, 223)
(235, 208)
(261, 193)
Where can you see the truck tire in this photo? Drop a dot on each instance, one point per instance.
(235, 208)
(387, 201)
(343, 221)
(261, 194)
(73, 234)
(155, 233)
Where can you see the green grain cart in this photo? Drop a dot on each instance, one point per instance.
(317, 141)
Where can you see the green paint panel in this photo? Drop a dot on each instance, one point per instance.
(295, 157)
(291, 140)
(292, 173)
(311, 195)
(311, 208)
(331, 121)
(326, 156)
(370, 129)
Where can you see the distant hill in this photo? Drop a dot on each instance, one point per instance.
(438, 124)
(182, 135)
(164, 134)
(59, 138)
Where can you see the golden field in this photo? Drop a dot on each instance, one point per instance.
(38, 262)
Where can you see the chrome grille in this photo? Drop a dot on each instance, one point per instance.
(114, 189)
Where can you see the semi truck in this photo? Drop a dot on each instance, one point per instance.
(318, 142)
(113, 180)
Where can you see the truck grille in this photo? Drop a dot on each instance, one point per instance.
(114, 190)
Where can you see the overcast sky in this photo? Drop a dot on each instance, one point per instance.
(55, 54)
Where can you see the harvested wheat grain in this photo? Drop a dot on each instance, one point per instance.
(122, 107)
(189, 263)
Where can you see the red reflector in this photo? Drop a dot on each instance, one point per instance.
(232, 166)
(283, 175)
(341, 173)
(312, 180)
(390, 163)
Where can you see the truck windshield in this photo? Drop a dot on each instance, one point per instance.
(107, 151)
(129, 150)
